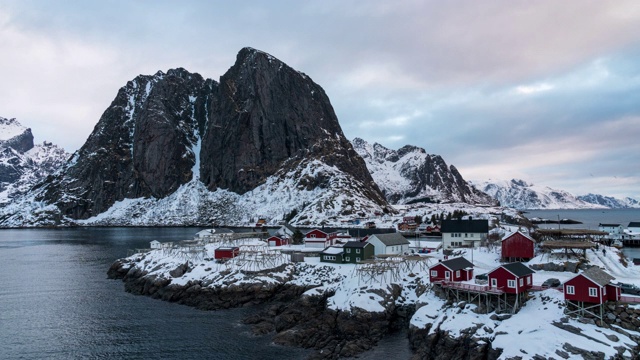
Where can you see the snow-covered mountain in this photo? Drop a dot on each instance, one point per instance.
(177, 149)
(409, 175)
(23, 164)
(610, 202)
(519, 194)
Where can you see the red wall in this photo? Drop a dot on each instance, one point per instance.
(582, 285)
(517, 246)
(502, 275)
(226, 253)
(464, 274)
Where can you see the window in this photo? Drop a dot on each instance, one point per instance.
(593, 292)
(457, 273)
(571, 290)
(312, 236)
(494, 282)
(348, 258)
(528, 280)
(329, 257)
(358, 259)
(348, 251)
(521, 282)
(434, 273)
(604, 291)
(357, 251)
(447, 275)
(511, 283)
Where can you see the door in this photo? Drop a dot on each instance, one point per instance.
(494, 282)
(447, 275)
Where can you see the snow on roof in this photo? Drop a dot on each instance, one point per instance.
(332, 250)
(391, 239)
(518, 232)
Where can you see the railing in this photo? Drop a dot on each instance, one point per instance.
(630, 299)
(470, 287)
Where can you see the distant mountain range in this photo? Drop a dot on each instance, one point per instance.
(520, 194)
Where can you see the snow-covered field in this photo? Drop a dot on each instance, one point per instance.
(533, 330)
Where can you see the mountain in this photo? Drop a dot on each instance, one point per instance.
(175, 148)
(23, 164)
(409, 175)
(610, 202)
(519, 194)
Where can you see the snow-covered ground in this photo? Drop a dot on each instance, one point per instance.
(535, 329)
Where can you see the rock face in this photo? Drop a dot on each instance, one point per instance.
(264, 125)
(409, 175)
(266, 114)
(144, 145)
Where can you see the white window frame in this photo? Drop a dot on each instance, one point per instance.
(593, 292)
(528, 280)
(494, 282)
(521, 282)
(329, 257)
(357, 251)
(434, 273)
(447, 275)
(571, 290)
(358, 259)
(511, 283)
(457, 273)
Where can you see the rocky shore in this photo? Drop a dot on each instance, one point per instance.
(328, 310)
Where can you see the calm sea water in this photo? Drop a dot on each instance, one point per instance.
(57, 303)
(590, 219)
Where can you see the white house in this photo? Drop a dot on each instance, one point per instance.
(155, 244)
(616, 231)
(463, 233)
(393, 243)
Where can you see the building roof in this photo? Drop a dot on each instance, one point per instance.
(356, 244)
(391, 239)
(597, 275)
(518, 232)
(517, 268)
(332, 250)
(458, 263)
(634, 224)
(465, 226)
(608, 225)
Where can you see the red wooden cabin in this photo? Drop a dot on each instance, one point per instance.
(518, 247)
(320, 239)
(514, 278)
(277, 241)
(591, 286)
(458, 269)
(226, 252)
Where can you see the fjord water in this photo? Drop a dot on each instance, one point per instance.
(57, 303)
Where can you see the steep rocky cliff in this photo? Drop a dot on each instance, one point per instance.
(177, 149)
(409, 175)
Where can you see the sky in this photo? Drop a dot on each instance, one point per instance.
(544, 91)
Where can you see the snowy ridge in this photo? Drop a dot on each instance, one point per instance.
(610, 202)
(409, 175)
(10, 128)
(521, 195)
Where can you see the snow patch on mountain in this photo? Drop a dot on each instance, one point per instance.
(610, 202)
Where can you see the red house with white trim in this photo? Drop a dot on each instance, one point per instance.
(518, 247)
(277, 241)
(458, 269)
(319, 239)
(514, 278)
(591, 286)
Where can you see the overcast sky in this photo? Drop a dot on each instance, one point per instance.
(545, 91)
